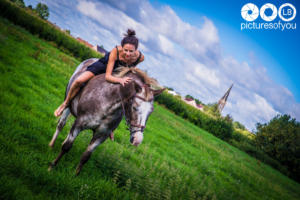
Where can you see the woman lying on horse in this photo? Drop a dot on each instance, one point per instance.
(125, 55)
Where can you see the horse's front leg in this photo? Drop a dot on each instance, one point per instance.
(96, 141)
(67, 144)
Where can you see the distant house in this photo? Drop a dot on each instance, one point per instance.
(172, 92)
(84, 42)
(199, 106)
(99, 49)
(192, 102)
(189, 99)
(95, 48)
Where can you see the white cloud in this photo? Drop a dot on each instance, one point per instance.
(248, 107)
(209, 76)
(166, 45)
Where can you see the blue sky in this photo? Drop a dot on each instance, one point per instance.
(278, 51)
(198, 48)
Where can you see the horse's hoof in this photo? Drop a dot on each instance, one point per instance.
(78, 169)
(51, 145)
(51, 165)
(77, 172)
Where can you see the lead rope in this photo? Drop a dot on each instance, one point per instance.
(123, 110)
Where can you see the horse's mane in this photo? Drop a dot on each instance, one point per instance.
(122, 71)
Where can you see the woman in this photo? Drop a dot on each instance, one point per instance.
(124, 55)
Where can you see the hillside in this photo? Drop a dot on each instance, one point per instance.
(177, 160)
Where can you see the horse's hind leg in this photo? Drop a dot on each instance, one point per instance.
(67, 144)
(96, 141)
(61, 123)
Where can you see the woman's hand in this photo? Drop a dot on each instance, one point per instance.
(125, 80)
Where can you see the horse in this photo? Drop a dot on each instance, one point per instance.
(100, 106)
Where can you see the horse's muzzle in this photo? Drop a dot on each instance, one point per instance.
(136, 138)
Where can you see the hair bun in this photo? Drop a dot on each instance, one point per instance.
(130, 32)
(130, 38)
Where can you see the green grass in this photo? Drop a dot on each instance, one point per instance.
(177, 160)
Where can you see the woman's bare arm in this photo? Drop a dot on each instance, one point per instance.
(110, 65)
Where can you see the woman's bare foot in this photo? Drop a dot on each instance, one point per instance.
(60, 110)
(111, 136)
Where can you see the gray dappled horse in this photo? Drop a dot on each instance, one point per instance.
(100, 106)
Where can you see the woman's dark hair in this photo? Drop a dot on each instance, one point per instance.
(130, 38)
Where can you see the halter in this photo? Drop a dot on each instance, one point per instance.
(134, 95)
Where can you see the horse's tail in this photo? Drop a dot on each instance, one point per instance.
(60, 125)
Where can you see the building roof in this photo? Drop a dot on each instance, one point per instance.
(199, 105)
(100, 49)
(84, 42)
(189, 99)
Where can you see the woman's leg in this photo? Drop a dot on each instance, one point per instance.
(84, 77)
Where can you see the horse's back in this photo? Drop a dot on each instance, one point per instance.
(98, 104)
(96, 94)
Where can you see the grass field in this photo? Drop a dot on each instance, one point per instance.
(176, 160)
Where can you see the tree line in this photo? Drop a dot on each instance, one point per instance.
(280, 139)
(41, 9)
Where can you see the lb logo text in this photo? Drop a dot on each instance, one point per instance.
(268, 17)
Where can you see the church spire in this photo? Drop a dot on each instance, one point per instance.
(223, 100)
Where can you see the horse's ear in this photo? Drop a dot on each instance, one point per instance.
(138, 87)
(157, 92)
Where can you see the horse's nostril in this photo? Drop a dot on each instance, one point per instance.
(131, 139)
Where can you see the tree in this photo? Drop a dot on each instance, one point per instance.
(42, 10)
(189, 96)
(171, 89)
(228, 118)
(198, 101)
(280, 139)
(212, 109)
(238, 125)
(19, 3)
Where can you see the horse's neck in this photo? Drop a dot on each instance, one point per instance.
(129, 89)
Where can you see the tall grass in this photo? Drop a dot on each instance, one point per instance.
(217, 126)
(177, 160)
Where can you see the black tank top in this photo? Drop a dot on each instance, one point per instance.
(118, 62)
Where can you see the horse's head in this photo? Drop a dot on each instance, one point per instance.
(140, 108)
(139, 105)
